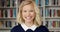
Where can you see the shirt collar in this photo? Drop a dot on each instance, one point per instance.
(33, 27)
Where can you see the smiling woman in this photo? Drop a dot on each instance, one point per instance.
(28, 14)
(24, 6)
(29, 18)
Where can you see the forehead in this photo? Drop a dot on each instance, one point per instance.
(29, 6)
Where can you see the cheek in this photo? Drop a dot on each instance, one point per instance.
(23, 14)
(33, 14)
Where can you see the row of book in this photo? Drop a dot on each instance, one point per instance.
(52, 2)
(48, 2)
(52, 12)
(20, 1)
(52, 24)
(7, 3)
(7, 13)
(6, 24)
(54, 31)
(41, 11)
(39, 2)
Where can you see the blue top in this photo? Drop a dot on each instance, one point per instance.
(19, 28)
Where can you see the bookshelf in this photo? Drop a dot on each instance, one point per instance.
(50, 12)
(8, 12)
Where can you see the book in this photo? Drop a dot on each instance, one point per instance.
(41, 12)
(59, 2)
(8, 24)
(8, 14)
(36, 2)
(54, 13)
(5, 3)
(54, 31)
(50, 12)
(39, 3)
(11, 12)
(1, 24)
(14, 13)
(4, 14)
(0, 13)
(54, 24)
(8, 3)
(13, 3)
(59, 23)
(58, 13)
(50, 24)
(47, 12)
(2, 1)
(54, 2)
(46, 24)
(46, 2)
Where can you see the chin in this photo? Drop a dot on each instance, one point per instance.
(28, 20)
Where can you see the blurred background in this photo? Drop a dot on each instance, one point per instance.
(49, 11)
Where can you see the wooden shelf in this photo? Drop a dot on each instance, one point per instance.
(52, 5)
(8, 19)
(53, 17)
(54, 29)
(6, 7)
(9, 28)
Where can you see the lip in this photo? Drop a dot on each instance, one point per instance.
(28, 17)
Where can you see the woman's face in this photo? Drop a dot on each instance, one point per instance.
(28, 13)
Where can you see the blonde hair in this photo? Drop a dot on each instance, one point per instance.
(37, 19)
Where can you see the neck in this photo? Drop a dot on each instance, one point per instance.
(29, 24)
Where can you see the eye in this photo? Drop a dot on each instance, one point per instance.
(24, 11)
(31, 10)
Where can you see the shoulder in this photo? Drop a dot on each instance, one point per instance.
(16, 28)
(43, 28)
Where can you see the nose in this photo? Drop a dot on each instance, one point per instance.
(28, 14)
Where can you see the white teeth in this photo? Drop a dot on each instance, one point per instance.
(28, 17)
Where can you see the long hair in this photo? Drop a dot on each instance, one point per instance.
(37, 20)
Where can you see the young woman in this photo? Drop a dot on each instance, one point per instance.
(29, 18)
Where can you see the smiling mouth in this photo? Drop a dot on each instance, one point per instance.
(28, 18)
